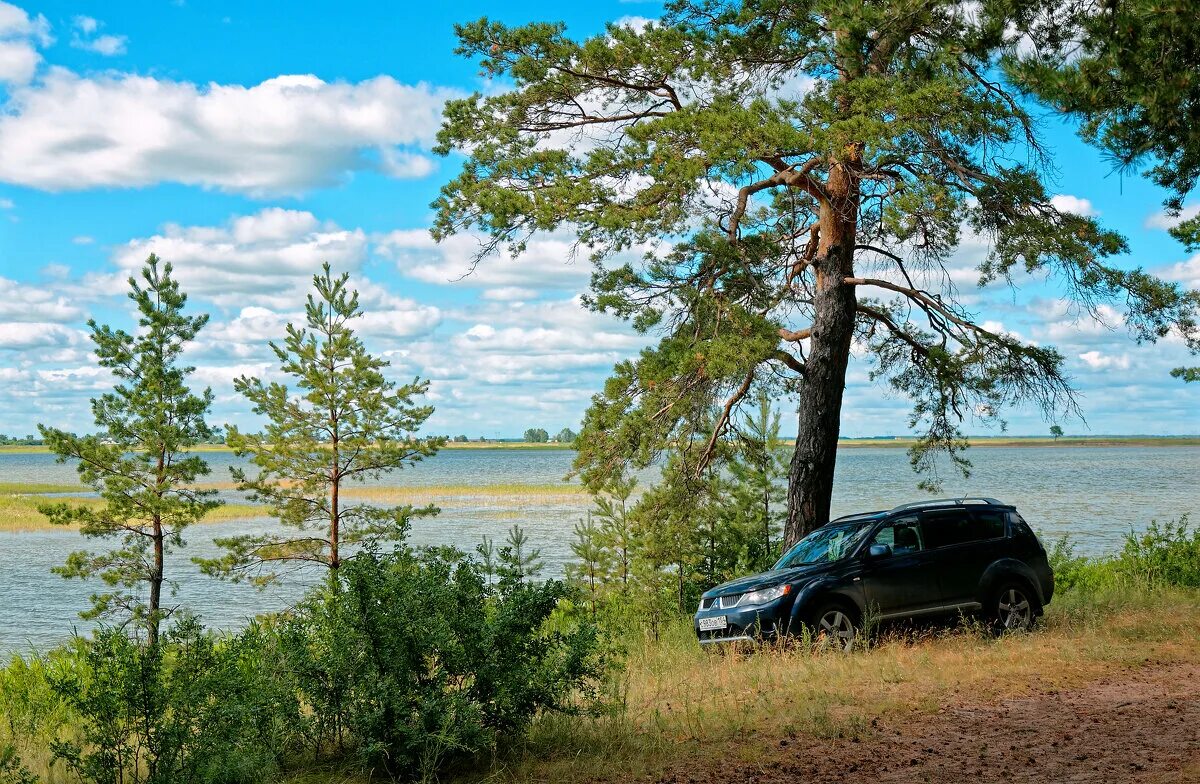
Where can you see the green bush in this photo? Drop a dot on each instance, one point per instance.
(416, 662)
(1167, 554)
(1164, 555)
(183, 710)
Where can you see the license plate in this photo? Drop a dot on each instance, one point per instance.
(713, 624)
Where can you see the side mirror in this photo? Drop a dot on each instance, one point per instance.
(877, 551)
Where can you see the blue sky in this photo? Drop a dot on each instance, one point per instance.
(247, 142)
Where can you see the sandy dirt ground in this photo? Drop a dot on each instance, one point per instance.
(1141, 725)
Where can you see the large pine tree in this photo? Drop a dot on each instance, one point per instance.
(808, 169)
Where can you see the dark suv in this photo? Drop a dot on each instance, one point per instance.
(951, 556)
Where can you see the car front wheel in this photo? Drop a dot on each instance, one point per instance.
(1013, 609)
(834, 628)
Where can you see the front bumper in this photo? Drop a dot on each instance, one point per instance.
(745, 624)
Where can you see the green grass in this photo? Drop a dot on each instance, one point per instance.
(19, 501)
(674, 704)
(19, 506)
(678, 703)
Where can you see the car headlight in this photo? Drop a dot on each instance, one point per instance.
(765, 595)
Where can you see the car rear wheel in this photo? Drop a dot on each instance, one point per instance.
(1013, 609)
(834, 628)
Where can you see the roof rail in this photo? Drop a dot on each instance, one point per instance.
(948, 502)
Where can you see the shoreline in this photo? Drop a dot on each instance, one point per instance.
(983, 442)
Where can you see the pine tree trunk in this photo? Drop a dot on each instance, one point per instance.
(156, 581)
(810, 476)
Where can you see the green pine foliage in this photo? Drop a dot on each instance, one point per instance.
(141, 467)
(343, 422)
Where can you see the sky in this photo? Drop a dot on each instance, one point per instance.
(247, 142)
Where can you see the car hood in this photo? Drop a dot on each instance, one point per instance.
(767, 579)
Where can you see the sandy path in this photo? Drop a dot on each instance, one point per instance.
(1141, 725)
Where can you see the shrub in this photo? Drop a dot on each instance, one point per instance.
(419, 662)
(181, 710)
(1167, 554)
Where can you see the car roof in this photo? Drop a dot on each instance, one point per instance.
(919, 506)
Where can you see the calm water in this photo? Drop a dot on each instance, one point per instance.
(1095, 494)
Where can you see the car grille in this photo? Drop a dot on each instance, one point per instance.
(721, 602)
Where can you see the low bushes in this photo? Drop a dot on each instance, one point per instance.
(406, 664)
(1166, 554)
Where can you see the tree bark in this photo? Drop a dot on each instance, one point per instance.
(810, 475)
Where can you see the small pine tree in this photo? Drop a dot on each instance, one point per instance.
(345, 423)
(517, 559)
(588, 570)
(140, 466)
(617, 538)
(758, 497)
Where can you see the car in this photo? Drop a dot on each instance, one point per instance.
(948, 556)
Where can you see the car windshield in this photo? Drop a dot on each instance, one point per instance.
(825, 544)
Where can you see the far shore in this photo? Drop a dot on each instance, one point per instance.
(847, 443)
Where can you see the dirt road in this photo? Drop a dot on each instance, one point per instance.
(1141, 725)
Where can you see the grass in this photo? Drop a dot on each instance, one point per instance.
(674, 704)
(681, 703)
(19, 506)
(19, 502)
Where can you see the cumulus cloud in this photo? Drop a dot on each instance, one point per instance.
(265, 258)
(30, 335)
(285, 135)
(1097, 360)
(1161, 220)
(88, 38)
(550, 261)
(20, 37)
(1185, 272)
(1066, 203)
(22, 302)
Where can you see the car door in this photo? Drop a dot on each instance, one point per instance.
(902, 582)
(962, 544)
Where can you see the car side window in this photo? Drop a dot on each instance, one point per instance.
(903, 536)
(960, 526)
(989, 524)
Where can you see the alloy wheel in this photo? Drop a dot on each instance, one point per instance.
(835, 630)
(1014, 610)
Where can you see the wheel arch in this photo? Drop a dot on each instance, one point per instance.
(1010, 570)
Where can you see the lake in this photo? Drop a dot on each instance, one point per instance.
(1095, 494)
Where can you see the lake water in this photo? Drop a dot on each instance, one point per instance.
(1095, 494)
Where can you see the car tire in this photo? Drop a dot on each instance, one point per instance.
(834, 627)
(1013, 608)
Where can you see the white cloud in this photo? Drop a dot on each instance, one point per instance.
(1161, 220)
(6, 204)
(1185, 272)
(83, 239)
(22, 302)
(509, 294)
(29, 335)
(267, 258)
(1073, 204)
(20, 37)
(18, 61)
(285, 135)
(1097, 360)
(550, 261)
(86, 24)
(86, 38)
